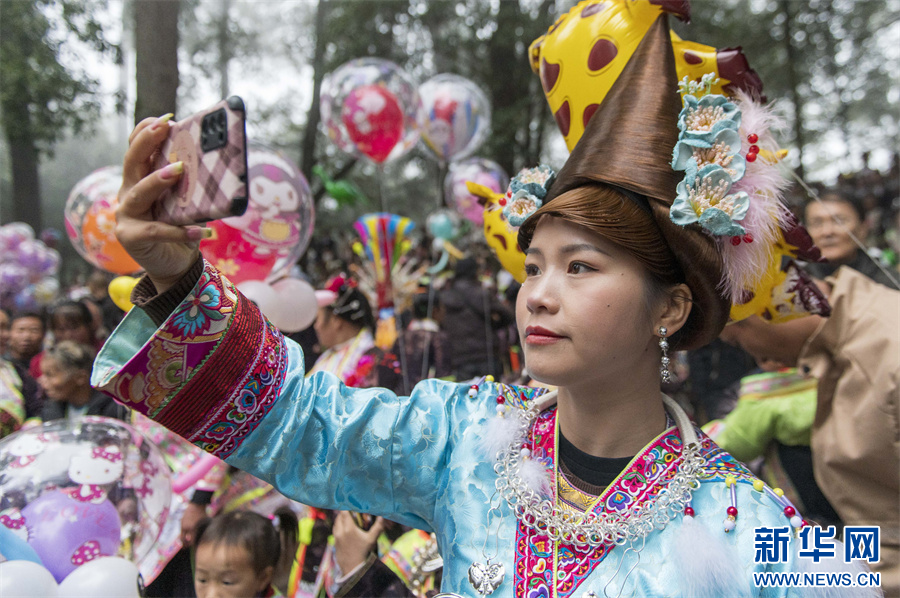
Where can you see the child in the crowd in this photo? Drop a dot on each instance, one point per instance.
(65, 380)
(239, 554)
(68, 321)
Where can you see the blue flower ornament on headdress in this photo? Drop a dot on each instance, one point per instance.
(708, 152)
(526, 193)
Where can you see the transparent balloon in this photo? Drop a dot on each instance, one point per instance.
(11, 236)
(369, 108)
(455, 117)
(90, 218)
(268, 239)
(78, 491)
(477, 170)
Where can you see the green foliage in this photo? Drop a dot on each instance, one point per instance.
(40, 97)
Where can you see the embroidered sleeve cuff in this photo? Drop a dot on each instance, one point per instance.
(210, 372)
(160, 306)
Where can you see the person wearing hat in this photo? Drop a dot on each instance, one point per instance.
(601, 487)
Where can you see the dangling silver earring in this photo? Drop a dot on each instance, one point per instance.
(664, 362)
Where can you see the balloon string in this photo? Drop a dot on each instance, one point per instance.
(441, 175)
(428, 316)
(379, 174)
(488, 336)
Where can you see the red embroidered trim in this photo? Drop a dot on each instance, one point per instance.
(213, 382)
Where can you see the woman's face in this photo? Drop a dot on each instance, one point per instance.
(58, 382)
(582, 310)
(326, 328)
(65, 329)
(226, 571)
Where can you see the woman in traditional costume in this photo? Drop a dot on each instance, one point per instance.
(602, 487)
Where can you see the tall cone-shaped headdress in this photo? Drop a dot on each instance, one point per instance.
(628, 144)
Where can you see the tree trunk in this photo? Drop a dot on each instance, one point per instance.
(223, 41)
(156, 49)
(26, 184)
(308, 145)
(793, 82)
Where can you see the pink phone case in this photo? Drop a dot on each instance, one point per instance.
(213, 146)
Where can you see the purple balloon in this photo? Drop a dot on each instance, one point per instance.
(48, 265)
(13, 277)
(14, 233)
(31, 254)
(67, 533)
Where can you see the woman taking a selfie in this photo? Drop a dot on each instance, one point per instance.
(601, 487)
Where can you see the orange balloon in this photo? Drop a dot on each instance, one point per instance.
(100, 243)
(90, 214)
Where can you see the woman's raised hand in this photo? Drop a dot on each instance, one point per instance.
(164, 251)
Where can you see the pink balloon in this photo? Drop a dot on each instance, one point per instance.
(268, 239)
(195, 473)
(374, 121)
(477, 170)
(296, 306)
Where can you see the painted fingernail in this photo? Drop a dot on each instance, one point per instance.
(161, 121)
(197, 233)
(172, 170)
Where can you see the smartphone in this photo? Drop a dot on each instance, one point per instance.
(213, 146)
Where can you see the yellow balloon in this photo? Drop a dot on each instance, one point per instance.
(500, 235)
(120, 291)
(585, 51)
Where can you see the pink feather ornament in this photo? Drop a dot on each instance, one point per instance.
(746, 263)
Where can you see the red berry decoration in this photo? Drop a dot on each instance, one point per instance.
(732, 511)
(753, 149)
(735, 241)
(751, 157)
(748, 238)
(789, 511)
(689, 511)
(752, 138)
(502, 201)
(500, 400)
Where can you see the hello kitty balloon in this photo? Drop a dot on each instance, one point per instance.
(78, 491)
(268, 239)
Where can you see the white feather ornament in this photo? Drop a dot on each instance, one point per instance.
(708, 567)
(501, 432)
(535, 475)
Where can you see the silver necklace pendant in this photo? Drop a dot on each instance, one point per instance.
(486, 578)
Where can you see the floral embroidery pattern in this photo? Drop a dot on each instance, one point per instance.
(199, 309)
(233, 379)
(647, 475)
